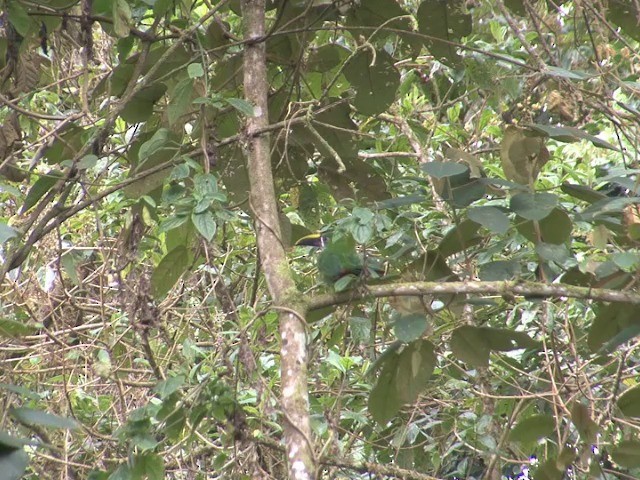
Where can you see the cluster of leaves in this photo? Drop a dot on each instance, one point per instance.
(450, 141)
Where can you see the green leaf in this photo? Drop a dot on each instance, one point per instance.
(40, 188)
(166, 387)
(555, 228)
(581, 418)
(629, 402)
(13, 463)
(205, 224)
(169, 270)
(500, 270)
(403, 377)
(410, 327)
(384, 401)
(611, 320)
(7, 232)
(162, 7)
(443, 21)
(121, 18)
(195, 70)
(627, 453)
(151, 146)
(459, 238)
(582, 192)
(532, 429)
(326, 57)
(570, 134)
(559, 254)
(14, 329)
(533, 206)
(140, 107)
(375, 80)
(563, 73)
(180, 100)
(241, 105)
(470, 345)
(444, 169)
(18, 17)
(39, 418)
(491, 218)
(506, 340)
(148, 465)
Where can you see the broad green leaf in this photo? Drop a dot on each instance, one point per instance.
(570, 134)
(443, 21)
(491, 218)
(151, 146)
(40, 188)
(169, 270)
(459, 238)
(195, 70)
(624, 13)
(410, 327)
(180, 100)
(403, 377)
(563, 73)
(121, 17)
(175, 423)
(7, 232)
(470, 345)
(162, 7)
(326, 57)
(559, 254)
(140, 107)
(626, 334)
(13, 462)
(39, 418)
(375, 80)
(627, 453)
(15, 329)
(506, 340)
(549, 471)
(610, 321)
(205, 185)
(581, 418)
(10, 442)
(629, 402)
(415, 366)
(500, 270)
(149, 466)
(555, 228)
(444, 169)
(205, 224)
(375, 13)
(533, 206)
(241, 105)
(22, 391)
(18, 17)
(532, 428)
(384, 401)
(582, 192)
(166, 387)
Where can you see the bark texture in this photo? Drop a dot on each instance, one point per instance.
(293, 350)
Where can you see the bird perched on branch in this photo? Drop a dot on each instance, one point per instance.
(339, 258)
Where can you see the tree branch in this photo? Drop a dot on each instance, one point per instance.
(293, 346)
(506, 289)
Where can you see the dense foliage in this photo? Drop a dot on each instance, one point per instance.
(471, 167)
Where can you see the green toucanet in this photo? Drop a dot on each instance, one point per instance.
(338, 258)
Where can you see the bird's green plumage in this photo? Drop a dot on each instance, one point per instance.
(338, 258)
